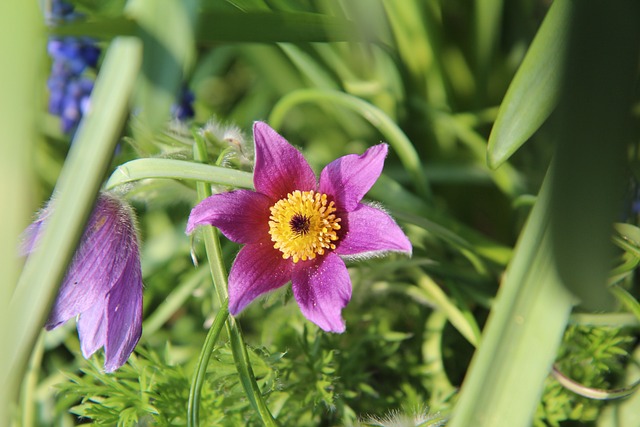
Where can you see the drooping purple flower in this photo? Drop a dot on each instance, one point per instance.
(103, 284)
(296, 229)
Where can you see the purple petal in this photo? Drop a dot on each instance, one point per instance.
(258, 268)
(92, 329)
(241, 215)
(322, 288)
(280, 168)
(124, 316)
(108, 242)
(31, 235)
(349, 178)
(370, 231)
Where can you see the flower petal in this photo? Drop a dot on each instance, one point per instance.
(370, 231)
(241, 215)
(258, 268)
(322, 289)
(92, 329)
(108, 242)
(349, 178)
(280, 168)
(124, 317)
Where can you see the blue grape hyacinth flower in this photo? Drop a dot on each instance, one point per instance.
(183, 107)
(103, 283)
(69, 85)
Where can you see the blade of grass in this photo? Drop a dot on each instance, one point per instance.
(17, 130)
(75, 192)
(593, 132)
(234, 26)
(506, 376)
(533, 93)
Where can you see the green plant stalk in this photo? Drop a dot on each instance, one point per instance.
(30, 383)
(193, 408)
(396, 138)
(75, 193)
(18, 130)
(467, 327)
(521, 338)
(149, 168)
(219, 275)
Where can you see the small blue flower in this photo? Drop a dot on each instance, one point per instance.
(103, 284)
(69, 87)
(183, 108)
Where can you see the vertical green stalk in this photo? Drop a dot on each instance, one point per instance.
(219, 275)
(74, 195)
(520, 341)
(193, 408)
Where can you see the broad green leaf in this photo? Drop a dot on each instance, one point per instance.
(232, 26)
(522, 334)
(79, 181)
(20, 45)
(266, 27)
(592, 136)
(533, 93)
(488, 14)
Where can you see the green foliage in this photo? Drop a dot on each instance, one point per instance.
(592, 356)
(448, 84)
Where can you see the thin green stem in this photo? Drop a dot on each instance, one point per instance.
(219, 275)
(136, 170)
(193, 408)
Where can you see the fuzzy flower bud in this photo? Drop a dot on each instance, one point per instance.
(103, 283)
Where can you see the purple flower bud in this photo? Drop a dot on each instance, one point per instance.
(103, 284)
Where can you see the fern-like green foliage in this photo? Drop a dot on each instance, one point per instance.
(592, 356)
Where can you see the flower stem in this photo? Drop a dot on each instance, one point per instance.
(193, 409)
(218, 273)
(178, 169)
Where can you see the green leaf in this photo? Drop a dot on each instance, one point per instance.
(533, 93)
(592, 136)
(84, 169)
(229, 26)
(266, 27)
(522, 334)
(167, 29)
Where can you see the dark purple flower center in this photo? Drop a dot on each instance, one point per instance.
(299, 224)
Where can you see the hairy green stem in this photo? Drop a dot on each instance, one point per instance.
(193, 408)
(219, 275)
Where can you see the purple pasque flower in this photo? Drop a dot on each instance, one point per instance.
(103, 283)
(296, 229)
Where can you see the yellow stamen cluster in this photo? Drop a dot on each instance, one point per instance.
(303, 225)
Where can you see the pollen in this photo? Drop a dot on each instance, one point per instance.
(303, 225)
